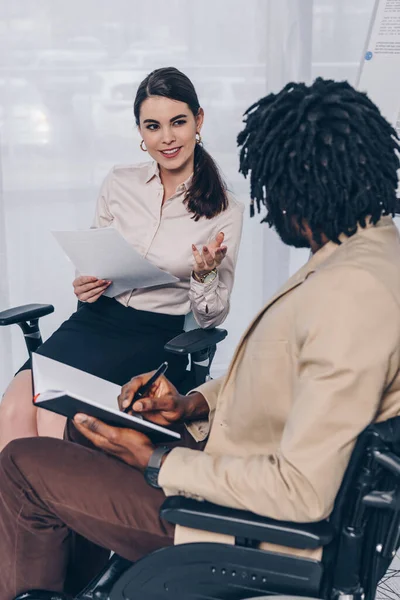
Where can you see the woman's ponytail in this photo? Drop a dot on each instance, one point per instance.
(206, 196)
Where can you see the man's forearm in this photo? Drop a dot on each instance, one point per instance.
(196, 407)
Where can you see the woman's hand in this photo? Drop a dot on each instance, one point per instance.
(164, 405)
(211, 256)
(89, 289)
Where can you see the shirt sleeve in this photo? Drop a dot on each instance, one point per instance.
(103, 216)
(347, 358)
(210, 302)
(200, 429)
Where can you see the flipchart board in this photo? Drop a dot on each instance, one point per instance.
(379, 73)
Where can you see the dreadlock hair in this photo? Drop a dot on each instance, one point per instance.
(323, 154)
(206, 196)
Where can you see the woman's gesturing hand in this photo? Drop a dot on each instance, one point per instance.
(88, 288)
(210, 257)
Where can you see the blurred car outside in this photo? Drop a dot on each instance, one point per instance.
(78, 52)
(61, 73)
(138, 56)
(224, 100)
(24, 118)
(112, 106)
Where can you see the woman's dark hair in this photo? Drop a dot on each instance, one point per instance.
(323, 154)
(206, 196)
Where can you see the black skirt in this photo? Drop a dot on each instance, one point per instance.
(116, 342)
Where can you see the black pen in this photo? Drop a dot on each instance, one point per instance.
(142, 391)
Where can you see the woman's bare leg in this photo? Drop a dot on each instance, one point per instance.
(50, 424)
(17, 413)
(19, 418)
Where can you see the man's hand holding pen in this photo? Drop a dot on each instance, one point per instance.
(162, 404)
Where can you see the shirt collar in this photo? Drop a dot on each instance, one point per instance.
(186, 184)
(153, 171)
(326, 251)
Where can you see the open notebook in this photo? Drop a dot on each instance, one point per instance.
(67, 391)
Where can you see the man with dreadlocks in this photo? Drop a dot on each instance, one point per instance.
(319, 362)
(323, 161)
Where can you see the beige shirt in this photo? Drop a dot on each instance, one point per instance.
(318, 363)
(131, 201)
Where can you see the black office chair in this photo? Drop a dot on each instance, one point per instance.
(359, 542)
(199, 344)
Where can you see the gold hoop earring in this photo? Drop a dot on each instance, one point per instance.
(199, 138)
(143, 148)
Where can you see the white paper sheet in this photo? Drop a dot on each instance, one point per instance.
(105, 254)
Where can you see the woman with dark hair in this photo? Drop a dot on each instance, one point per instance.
(175, 211)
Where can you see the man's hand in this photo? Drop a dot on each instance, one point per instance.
(132, 447)
(164, 405)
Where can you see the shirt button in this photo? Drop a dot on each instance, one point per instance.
(272, 459)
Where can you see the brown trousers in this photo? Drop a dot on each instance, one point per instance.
(64, 505)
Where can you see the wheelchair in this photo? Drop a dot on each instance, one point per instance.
(358, 541)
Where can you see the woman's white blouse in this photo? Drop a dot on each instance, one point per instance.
(131, 201)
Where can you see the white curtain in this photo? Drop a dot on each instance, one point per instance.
(68, 74)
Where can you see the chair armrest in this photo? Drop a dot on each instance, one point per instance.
(195, 340)
(20, 314)
(243, 524)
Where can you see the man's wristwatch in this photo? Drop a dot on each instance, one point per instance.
(206, 278)
(153, 467)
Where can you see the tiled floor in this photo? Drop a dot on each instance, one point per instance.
(389, 588)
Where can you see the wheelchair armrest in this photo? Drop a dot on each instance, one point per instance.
(242, 524)
(195, 340)
(20, 314)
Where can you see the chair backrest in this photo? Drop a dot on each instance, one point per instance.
(366, 515)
